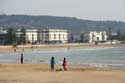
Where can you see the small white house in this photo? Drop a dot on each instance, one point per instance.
(94, 36)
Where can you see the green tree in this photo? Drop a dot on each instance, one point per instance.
(123, 37)
(109, 33)
(71, 38)
(82, 37)
(10, 36)
(22, 39)
(119, 35)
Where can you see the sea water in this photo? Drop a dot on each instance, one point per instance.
(99, 57)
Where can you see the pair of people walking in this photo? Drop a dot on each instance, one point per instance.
(52, 64)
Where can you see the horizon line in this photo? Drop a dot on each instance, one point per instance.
(67, 17)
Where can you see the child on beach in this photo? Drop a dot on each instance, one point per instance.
(52, 64)
(64, 64)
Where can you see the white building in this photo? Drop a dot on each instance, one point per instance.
(53, 35)
(94, 36)
(31, 35)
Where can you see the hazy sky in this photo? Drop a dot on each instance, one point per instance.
(84, 9)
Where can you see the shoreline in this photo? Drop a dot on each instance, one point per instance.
(46, 67)
(21, 48)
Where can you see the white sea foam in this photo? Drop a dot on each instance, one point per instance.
(106, 65)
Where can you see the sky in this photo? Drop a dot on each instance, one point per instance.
(82, 9)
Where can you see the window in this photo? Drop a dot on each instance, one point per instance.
(54, 36)
(63, 36)
(46, 36)
(59, 36)
(97, 38)
(32, 37)
(42, 36)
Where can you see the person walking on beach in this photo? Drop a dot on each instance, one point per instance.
(64, 64)
(21, 59)
(52, 63)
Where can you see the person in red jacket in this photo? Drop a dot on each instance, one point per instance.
(64, 64)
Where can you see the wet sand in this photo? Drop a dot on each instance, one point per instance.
(53, 47)
(40, 73)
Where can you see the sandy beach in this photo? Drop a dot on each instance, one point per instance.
(40, 73)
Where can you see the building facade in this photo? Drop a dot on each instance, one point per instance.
(53, 36)
(94, 36)
(37, 36)
(31, 35)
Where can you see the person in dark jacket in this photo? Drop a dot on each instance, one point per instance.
(64, 64)
(52, 63)
(21, 59)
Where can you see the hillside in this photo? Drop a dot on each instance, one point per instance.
(69, 23)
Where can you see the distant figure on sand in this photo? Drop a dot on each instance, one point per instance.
(68, 48)
(64, 64)
(52, 63)
(14, 50)
(21, 59)
(23, 50)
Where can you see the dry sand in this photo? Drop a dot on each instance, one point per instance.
(40, 73)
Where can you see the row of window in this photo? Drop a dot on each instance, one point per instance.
(53, 36)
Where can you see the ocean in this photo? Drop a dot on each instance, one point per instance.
(113, 57)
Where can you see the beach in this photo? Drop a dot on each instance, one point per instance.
(39, 72)
(34, 73)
